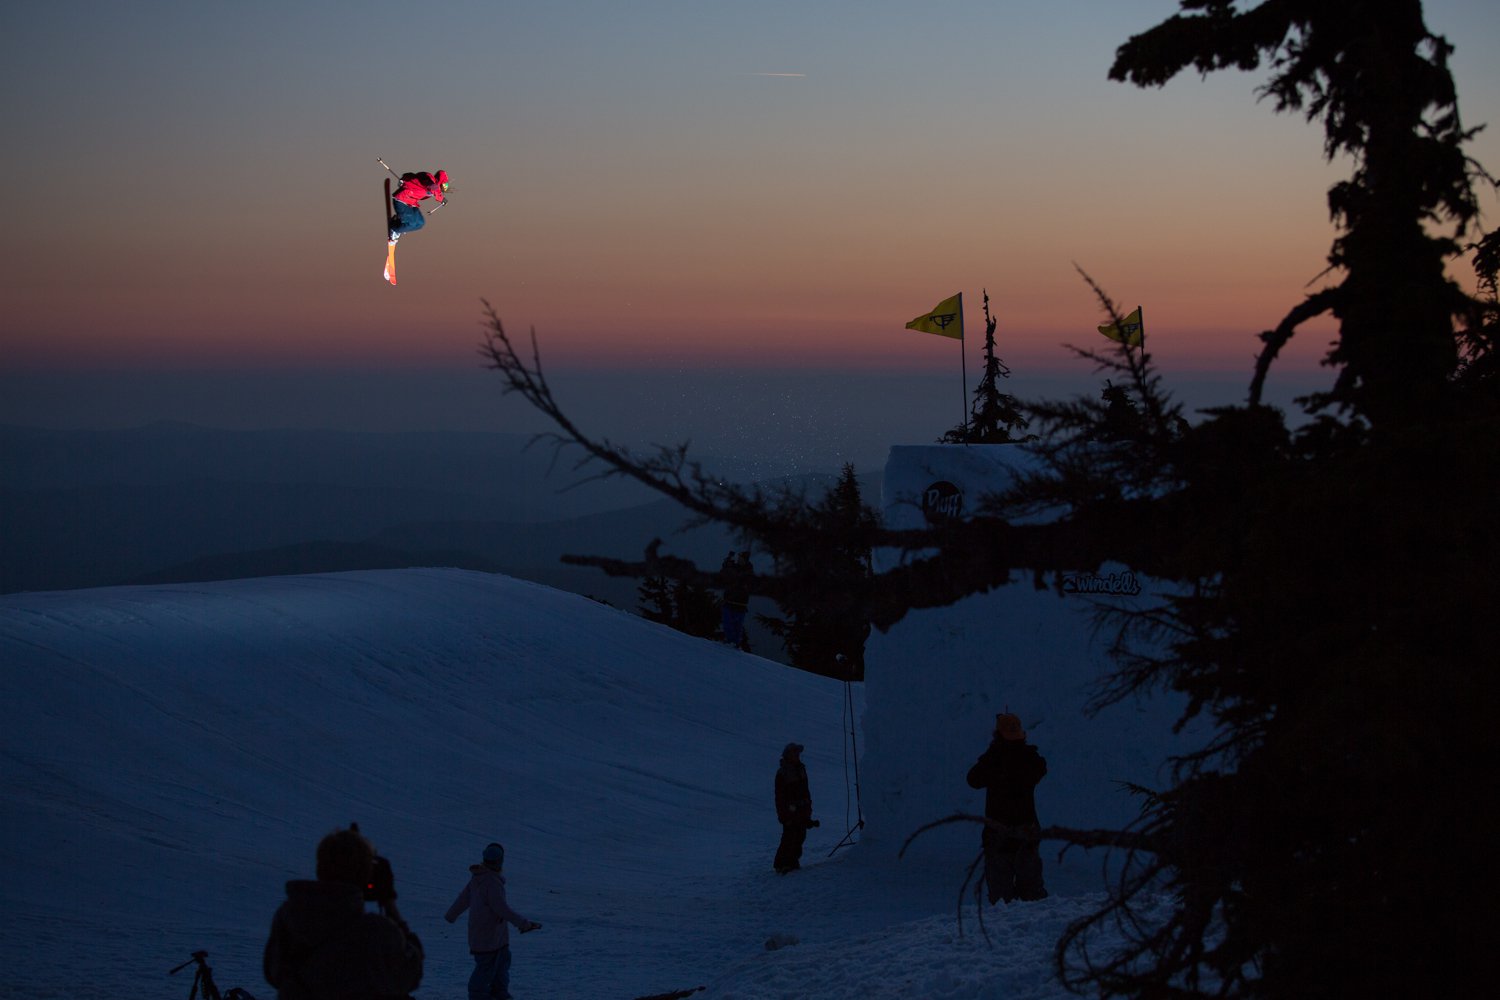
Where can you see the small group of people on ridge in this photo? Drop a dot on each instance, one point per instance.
(735, 605)
(325, 945)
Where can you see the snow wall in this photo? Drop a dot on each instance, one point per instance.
(936, 679)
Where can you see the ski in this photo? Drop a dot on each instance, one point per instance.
(390, 247)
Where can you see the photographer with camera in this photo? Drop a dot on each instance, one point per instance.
(325, 945)
(490, 917)
(793, 808)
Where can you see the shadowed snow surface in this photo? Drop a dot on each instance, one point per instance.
(171, 756)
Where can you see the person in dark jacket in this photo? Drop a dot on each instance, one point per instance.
(490, 917)
(793, 808)
(1009, 771)
(324, 945)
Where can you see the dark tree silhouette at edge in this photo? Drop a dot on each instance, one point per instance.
(1328, 585)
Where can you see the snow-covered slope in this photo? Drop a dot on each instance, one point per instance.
(170, 756)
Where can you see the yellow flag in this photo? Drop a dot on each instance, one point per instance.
(946, 318)
(1131, 330)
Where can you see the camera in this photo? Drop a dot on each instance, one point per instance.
(812, 823)
(382, 885)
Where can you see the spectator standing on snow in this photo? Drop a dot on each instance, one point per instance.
(793, 808)
(489, 931)
(324, 945)
(1009, 771)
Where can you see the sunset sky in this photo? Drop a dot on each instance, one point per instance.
(662, 184)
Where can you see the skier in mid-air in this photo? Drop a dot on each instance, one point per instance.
(403, 214)
(406, 216)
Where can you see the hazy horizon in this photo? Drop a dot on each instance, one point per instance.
(813, 421)
(717, 217)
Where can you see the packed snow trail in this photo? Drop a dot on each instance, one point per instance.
(171, 755)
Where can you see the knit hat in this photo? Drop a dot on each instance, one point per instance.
(1008, 727)
(494, 855)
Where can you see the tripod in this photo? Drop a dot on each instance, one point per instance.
(203, 978)
(851, 749)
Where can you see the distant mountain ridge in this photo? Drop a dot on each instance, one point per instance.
(525, 483)
(92, 508)
(307, 558)
(525, 551)
(177, 503)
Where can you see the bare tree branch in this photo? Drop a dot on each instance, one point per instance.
(1314, 305)
(946, 562)
(1073, 837)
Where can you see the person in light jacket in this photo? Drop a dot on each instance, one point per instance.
(490, 917)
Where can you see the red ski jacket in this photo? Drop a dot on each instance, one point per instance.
(417, 187)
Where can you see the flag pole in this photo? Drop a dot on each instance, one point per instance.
(963, 361)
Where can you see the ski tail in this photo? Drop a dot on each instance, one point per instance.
(390, 249)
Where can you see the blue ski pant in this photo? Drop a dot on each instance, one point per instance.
(407, 218)
(732, 620)
(490, 979)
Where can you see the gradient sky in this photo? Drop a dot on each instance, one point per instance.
(661, 183)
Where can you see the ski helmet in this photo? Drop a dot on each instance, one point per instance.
(442, 179)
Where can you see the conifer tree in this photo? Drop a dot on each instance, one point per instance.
(995, 417)
(695, 609)
(1302, 844)
(824, 614)
(655, 596)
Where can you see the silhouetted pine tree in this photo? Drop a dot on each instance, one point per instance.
(823, 615)
(1481, 358)
(1321, 626)
(995, 417)
(655, 596)
(695, 610)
